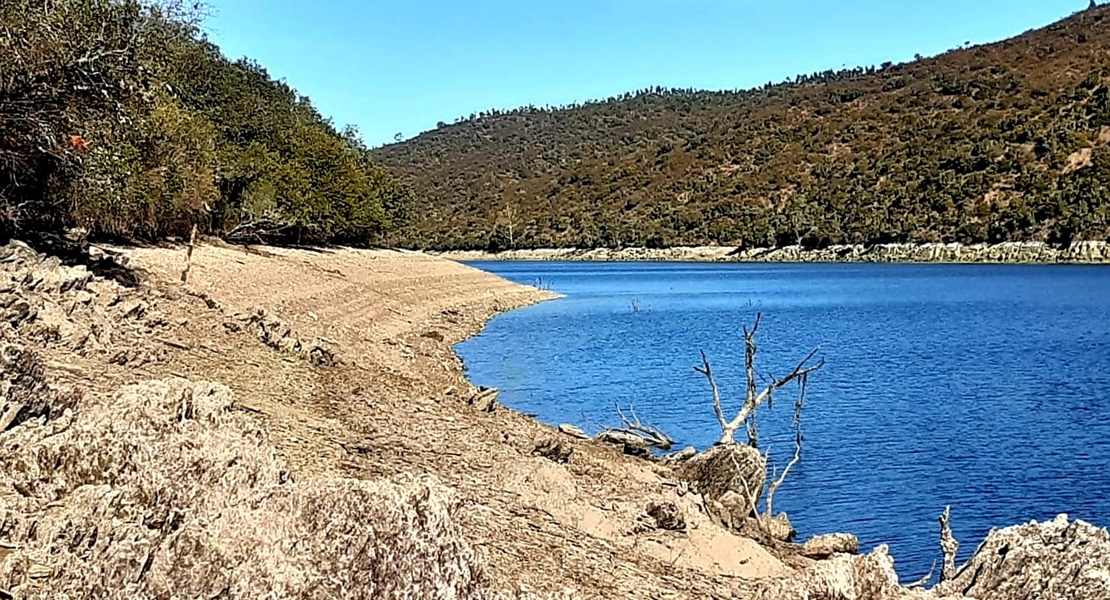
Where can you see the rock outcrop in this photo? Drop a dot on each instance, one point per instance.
(1007, 252)
(1056, 560)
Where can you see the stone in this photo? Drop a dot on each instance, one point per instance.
(485, 400)
(553, 450)
(825, 546)
(573, 431)
(1056, 560)
(667, 516)
(735, 468)
(682, 455)
(633, 445)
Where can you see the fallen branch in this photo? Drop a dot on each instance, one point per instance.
(655, 437)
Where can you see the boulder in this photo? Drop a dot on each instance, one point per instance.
(485, 400)
(778, 529)
(631, 444)
(825, 546)
(667, 516)
(553, 450)
(731, 475)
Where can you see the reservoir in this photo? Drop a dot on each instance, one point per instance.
(982, 387)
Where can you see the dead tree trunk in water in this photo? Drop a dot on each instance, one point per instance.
(754, 398)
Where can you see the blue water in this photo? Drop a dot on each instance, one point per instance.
(986, 388)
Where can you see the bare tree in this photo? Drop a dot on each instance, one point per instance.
(754, 398)
(756, 395)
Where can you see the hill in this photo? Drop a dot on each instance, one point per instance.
(120, 117)
(1000, 142)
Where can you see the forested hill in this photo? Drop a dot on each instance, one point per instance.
(119, 117)
(1007, 141)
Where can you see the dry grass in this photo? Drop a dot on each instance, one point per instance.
(164, 490)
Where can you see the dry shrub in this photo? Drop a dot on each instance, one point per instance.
(164, 490)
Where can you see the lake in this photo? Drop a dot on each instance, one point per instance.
(986, 388)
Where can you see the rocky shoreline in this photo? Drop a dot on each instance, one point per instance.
(1087, 252)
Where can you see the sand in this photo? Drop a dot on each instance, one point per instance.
(398, 404)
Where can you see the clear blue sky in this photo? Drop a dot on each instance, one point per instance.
(401, 66)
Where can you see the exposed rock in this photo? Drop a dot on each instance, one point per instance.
(667, 516)
(1007, 252)
(279, 336)
(573, 431)
(731, 476)
(778, 529)
(633, 445)
(845, 577)
(24, 393)
(170, 493)
(553, 450)
(1056, 560)
(825, 546)
(485, 400)
(682, 455)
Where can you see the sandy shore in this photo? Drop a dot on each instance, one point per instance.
(286, 415)
(402, 396)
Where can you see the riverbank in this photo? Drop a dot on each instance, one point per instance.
(295, 423)
(332, 377)
(1005, 253)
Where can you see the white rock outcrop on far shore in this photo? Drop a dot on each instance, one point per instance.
(1009, 252)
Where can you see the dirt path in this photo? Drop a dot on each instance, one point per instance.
(399, 404)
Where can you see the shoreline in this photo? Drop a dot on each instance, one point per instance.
(1091, 253)
(331, 376)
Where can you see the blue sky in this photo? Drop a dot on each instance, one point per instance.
(401, 66)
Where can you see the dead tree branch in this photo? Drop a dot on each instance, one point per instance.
(652, 435)
(776, 484)
(753, 399)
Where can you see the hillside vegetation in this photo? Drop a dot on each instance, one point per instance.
(119, 117)
(1000, 142)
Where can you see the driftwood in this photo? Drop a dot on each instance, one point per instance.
(635, 436)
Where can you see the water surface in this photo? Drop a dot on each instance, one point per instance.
(981, 387)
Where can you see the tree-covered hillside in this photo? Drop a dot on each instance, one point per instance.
(1007, 141)
(118, 116)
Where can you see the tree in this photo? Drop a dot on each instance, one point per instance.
(754, 398)
(731, 461)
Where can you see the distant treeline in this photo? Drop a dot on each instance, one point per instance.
(1002, 142)
(119, 117)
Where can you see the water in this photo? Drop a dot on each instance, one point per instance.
(982, 387)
